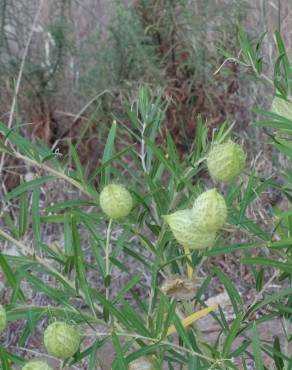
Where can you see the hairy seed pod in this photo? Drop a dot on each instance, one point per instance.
(226, 161)
(3, 319)
(116, 201)
(179, 287)
(210, 211)
(185, 232)
(61, 340)
(37, 365)
(282, 107)
(142, 363)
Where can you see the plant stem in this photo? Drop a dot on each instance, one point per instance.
(155, 340)
(56, 173)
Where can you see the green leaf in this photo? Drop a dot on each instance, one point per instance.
(77, 162)
(69, 204)
(51, 292)
(120, 362)
(4, 359)
(286, 76)
(19, 312)
(267, 262)
(68, 242)
(230, 288)
(10, 276)
(35, 215)
(162, 158)
(107, 154)
(27, 186)
(218, 251)
(32, 320)
(268, 300)
(23, 215)
(260, 277)
(80, 266)
(257, 349)
(130, 285)
(234, 330)
(277, 354)
(26, 146)
(92, 365)
(251, 193)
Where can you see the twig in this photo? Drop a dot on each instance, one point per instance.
(264, 288)
(87, 105)
(54, 172)
(17, 86)
(154, 341)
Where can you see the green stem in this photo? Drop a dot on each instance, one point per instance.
(160, 237)
(154, 341)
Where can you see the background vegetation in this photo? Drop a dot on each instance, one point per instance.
(94, 92)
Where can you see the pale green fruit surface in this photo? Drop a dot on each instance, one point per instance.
(209, 211)
(61, 340)
(37, 365)
(141, 364)
(115, 201)
(3, 319)
(282, 107)
(226, 161)
(185, 232)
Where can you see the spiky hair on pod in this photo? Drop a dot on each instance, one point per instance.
(3, 319)
(209, 211)
(37, 365)
(185, 231)
(226, 161)
(115, 201)
(282, 107)
(61, 339)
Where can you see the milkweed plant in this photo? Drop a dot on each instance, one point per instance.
(167, 213)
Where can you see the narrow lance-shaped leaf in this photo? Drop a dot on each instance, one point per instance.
(36, 221)
(107, 154)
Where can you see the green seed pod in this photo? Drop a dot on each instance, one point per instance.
(3, 319)
(226, 161)
(185, 232)
(37, 365)
(282, 107)
(61, 340)
(116, 201)
(142, 363)
(209, 211)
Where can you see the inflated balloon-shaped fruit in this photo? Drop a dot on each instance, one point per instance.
(209, 211)
(282, 107)
(61, 340)
(226, 161)
(3, 319)
(186, 233)
(115, 201)
(37, 365)
(142, 363)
